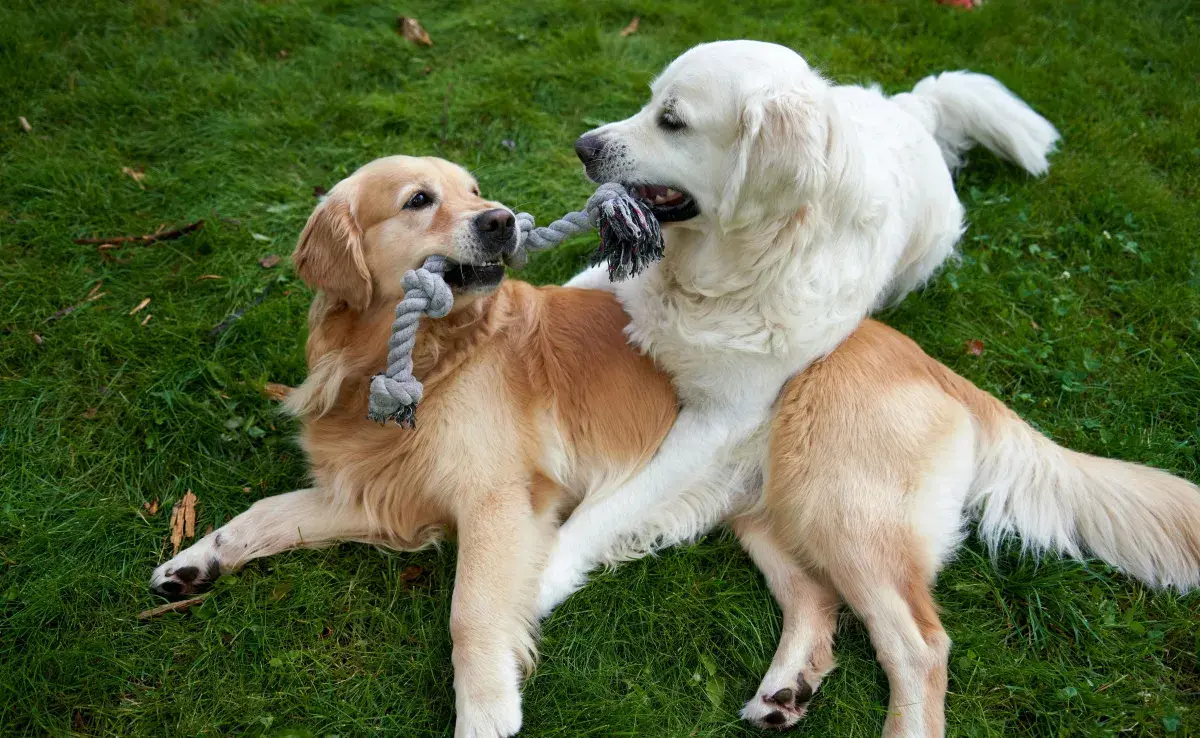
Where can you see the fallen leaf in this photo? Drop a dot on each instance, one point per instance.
(146, 319)
(95, 288)
(209, 276)
(283, 54)
(140, 305)
(411, 574)
(268, 261)
(974, 347)
(276, 391)
(137, 174)
(89, 413)
(260, 237)
(632, 28)
(96, 296)
(410, 29)
(170, 607)
(1034, 325)
(183, 520)
(151, 507)
(245, 490)
(37, 338)
(78, 724)
(24, 124)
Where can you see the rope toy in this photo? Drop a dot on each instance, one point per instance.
(630, 239)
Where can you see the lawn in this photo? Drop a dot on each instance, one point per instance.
(1082, 289)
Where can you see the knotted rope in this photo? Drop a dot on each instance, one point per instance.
(630, 239)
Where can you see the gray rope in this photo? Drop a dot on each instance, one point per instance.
(396, 392)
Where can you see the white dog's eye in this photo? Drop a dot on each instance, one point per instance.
(667, 120)
(418, 201)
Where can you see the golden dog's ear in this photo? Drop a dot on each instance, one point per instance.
(329, 255)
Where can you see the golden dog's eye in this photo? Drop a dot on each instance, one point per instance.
(671, 122)
(418, 201)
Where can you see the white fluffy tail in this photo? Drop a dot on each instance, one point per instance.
(1142, 521)
(962, 109)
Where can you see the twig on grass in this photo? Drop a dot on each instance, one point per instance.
(171, 607)
(147, 238)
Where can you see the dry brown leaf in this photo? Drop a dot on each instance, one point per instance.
(137, 174)
(96, 296)
(37, 338)
(95, 288)
(170, 607)
(146, 319)
(183, 520)
(276, 391)
(268, 261)
(632, 28)
(412, 573)
(974, 347)
(139, 306)
(151, 507)
(209, 276)
(208, 530)
(410, 29)
(24, 124)
(89, 413)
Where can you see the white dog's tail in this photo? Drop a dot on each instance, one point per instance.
(962, 109)
(1142, 521)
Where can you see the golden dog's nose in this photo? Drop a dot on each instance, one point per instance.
(497, 228)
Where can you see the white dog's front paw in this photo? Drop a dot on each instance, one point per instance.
(779, 708)
(192, 570)
(560, 580)
(494, 716)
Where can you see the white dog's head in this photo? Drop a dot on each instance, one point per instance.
(735, 133)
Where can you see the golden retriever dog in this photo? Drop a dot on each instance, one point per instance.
(533, 400)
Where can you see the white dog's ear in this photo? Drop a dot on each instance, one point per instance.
(780, 147)
(329, 255)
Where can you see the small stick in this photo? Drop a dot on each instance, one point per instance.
(171, 607)
(147, 238)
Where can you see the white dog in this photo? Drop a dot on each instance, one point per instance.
(792, 208)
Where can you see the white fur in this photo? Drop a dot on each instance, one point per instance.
(819, 203)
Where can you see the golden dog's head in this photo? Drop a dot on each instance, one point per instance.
(392, 214)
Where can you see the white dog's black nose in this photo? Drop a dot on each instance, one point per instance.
(496, 229)
(588, 148)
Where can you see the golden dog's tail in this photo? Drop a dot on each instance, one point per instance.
(1140, 520)
(962, 109)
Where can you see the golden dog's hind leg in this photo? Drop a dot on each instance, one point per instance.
(306, 518)
(502, 548)
(805, 653)
(877, 573)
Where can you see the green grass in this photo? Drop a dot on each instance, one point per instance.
(1084, 289)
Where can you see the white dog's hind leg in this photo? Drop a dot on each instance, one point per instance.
(676, 496)
(306, 518)
(805, 652)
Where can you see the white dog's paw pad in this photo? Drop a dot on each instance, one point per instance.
(177, 582)
(781, 709)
